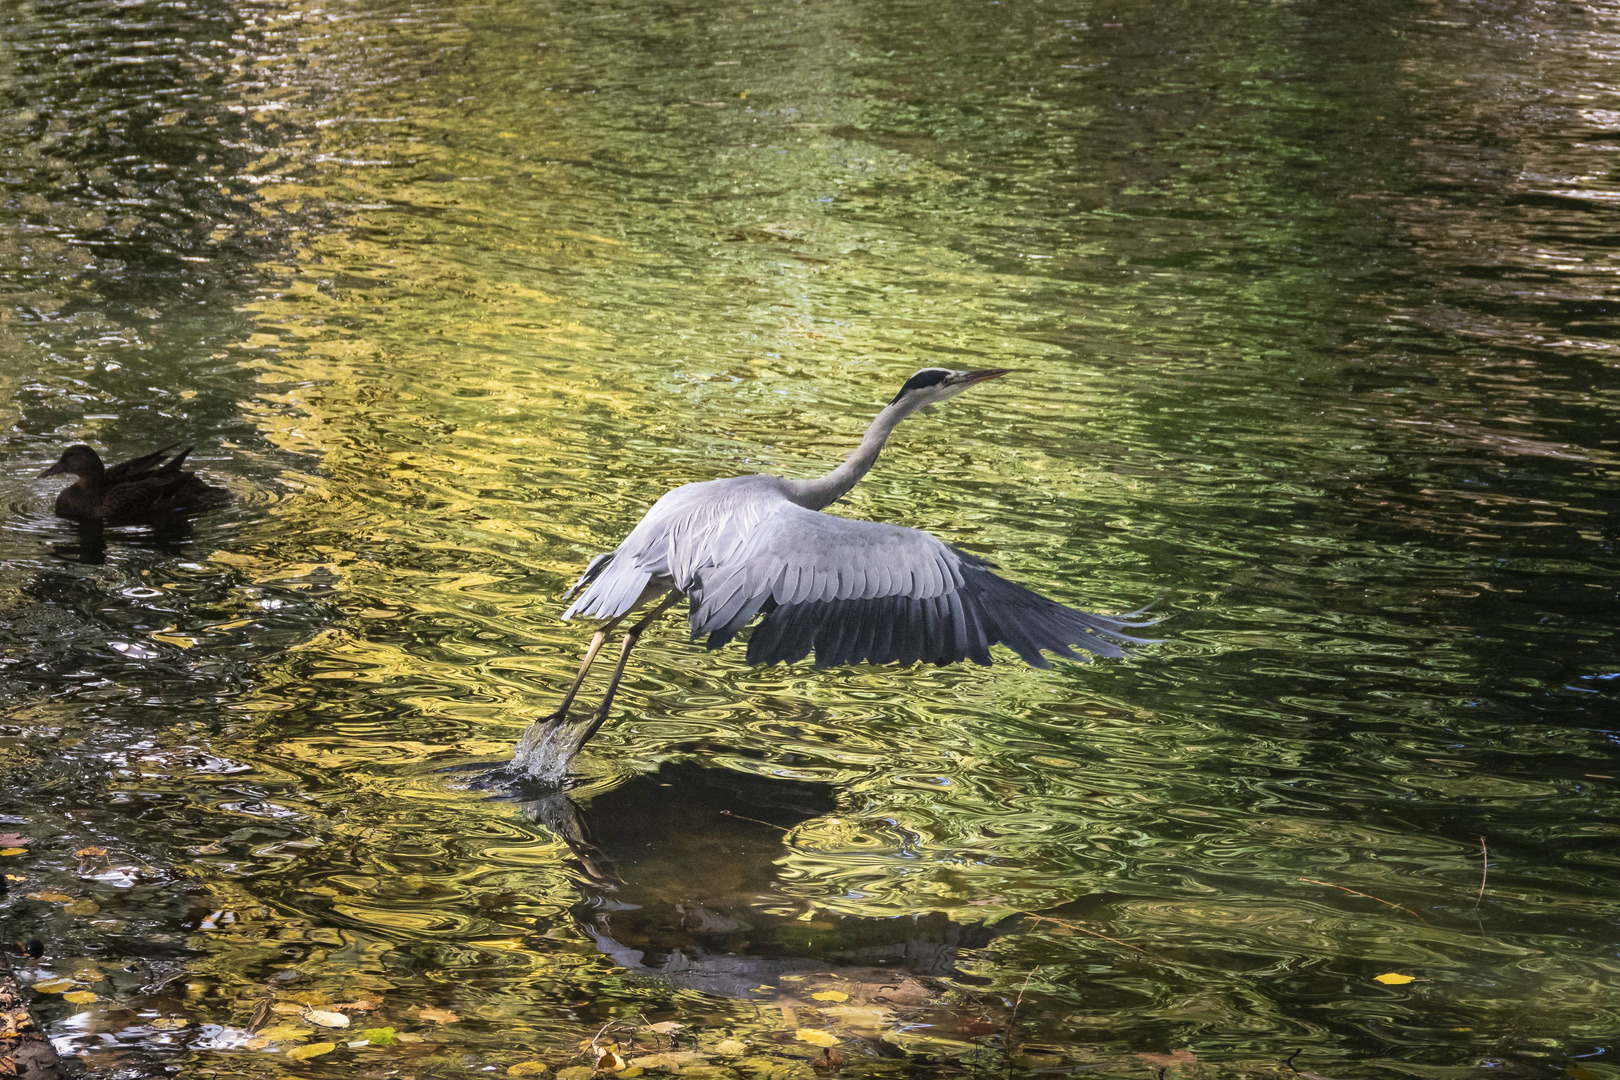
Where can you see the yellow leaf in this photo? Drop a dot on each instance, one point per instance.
(283, 1033)
(439, 1016)
(608, 1061)
(82, 907)
(287, 1007)
(86, 852)
(1390, 978)
(831, 995)
(731, 1048)
(300, 1053)
(13, 851)
(51, 897)
(79, 997)
(1581, 1072)
(170, 1023)
(817, 1038)
(527, 1068)
(408, 1037)
(54, 986)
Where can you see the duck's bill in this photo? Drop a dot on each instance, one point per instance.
(52, 471)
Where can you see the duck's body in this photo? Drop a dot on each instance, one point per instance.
(142, 487)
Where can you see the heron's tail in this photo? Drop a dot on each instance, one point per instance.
(592, 572)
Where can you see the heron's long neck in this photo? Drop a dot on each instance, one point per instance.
(826, 490)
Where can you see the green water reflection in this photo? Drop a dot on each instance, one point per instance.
(1313, 306)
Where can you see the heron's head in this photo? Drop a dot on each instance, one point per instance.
(932, 385)
(77, 460)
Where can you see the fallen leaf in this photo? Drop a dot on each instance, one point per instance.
(1174, 1057)
(816, 1038)
(80, 997)
(1390, 978)
(829, 1061)
(287, 1007)
(87, 852)
(671, 1059)
(13, 1022)
(731, 1048)
(325, 1018)
(609, 1061)
(309, 1050)
(51, 897)
(54, 986)
(11, 839)
(283, 1033)
(664, 1027)
(170, 1023)
(831, 995)
(1580, 1072)
(575, 1072)
(438, 1016)
(527, 1068)
(13, 851)
(82, 907)
(408, 1037)
(383, 1036)
(364, 1004)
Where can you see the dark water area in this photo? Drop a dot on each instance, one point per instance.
(1313, 307)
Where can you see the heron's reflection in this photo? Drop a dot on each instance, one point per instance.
(682, 868)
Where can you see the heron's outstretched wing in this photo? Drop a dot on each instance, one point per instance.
(862, 591)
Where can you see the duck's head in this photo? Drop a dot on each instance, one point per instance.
(79, 460)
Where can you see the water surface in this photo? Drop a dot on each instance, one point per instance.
(1313, 311)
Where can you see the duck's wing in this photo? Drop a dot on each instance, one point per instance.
(137, 467)
(863, 591)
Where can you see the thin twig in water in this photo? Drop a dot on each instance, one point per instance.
(755, 820)
(1066, 924)
(1484, 870)
(1367, 896)
(1289, 1060)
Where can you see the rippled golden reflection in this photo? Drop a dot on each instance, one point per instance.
(1311, 314)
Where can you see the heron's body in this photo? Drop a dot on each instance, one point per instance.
(850, 591)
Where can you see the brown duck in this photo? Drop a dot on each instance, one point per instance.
(138, 488)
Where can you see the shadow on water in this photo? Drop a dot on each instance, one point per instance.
(680, 875)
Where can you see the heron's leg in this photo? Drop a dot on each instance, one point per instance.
(538, 731)
(631, 636)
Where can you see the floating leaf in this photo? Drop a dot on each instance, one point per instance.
(1390, 978)
(13, 851)
(51, 897)
(383, 1036)
(54, 986)
(82, 907)
(309, 1050)
(831, 995)
(575, 1072)
(664, 1027)
(672, 1059)
(15, 840)
(170, 1023)
(438, 1016)
(527, 1068)
(1174, 1057)
(284, 1033)
(609, 1061)
(829, 1061)
(285, 1007)
(731, 1048)
(816, 1038)
(1581, 1072)
(80, 997)
(87, 852)
(408, 1037)
(326, 1019)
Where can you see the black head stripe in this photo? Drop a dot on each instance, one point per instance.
(926, 377)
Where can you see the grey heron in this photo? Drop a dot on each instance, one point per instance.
(853, 591)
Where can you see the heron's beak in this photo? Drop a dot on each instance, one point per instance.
(52, 471)
(970, 378)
